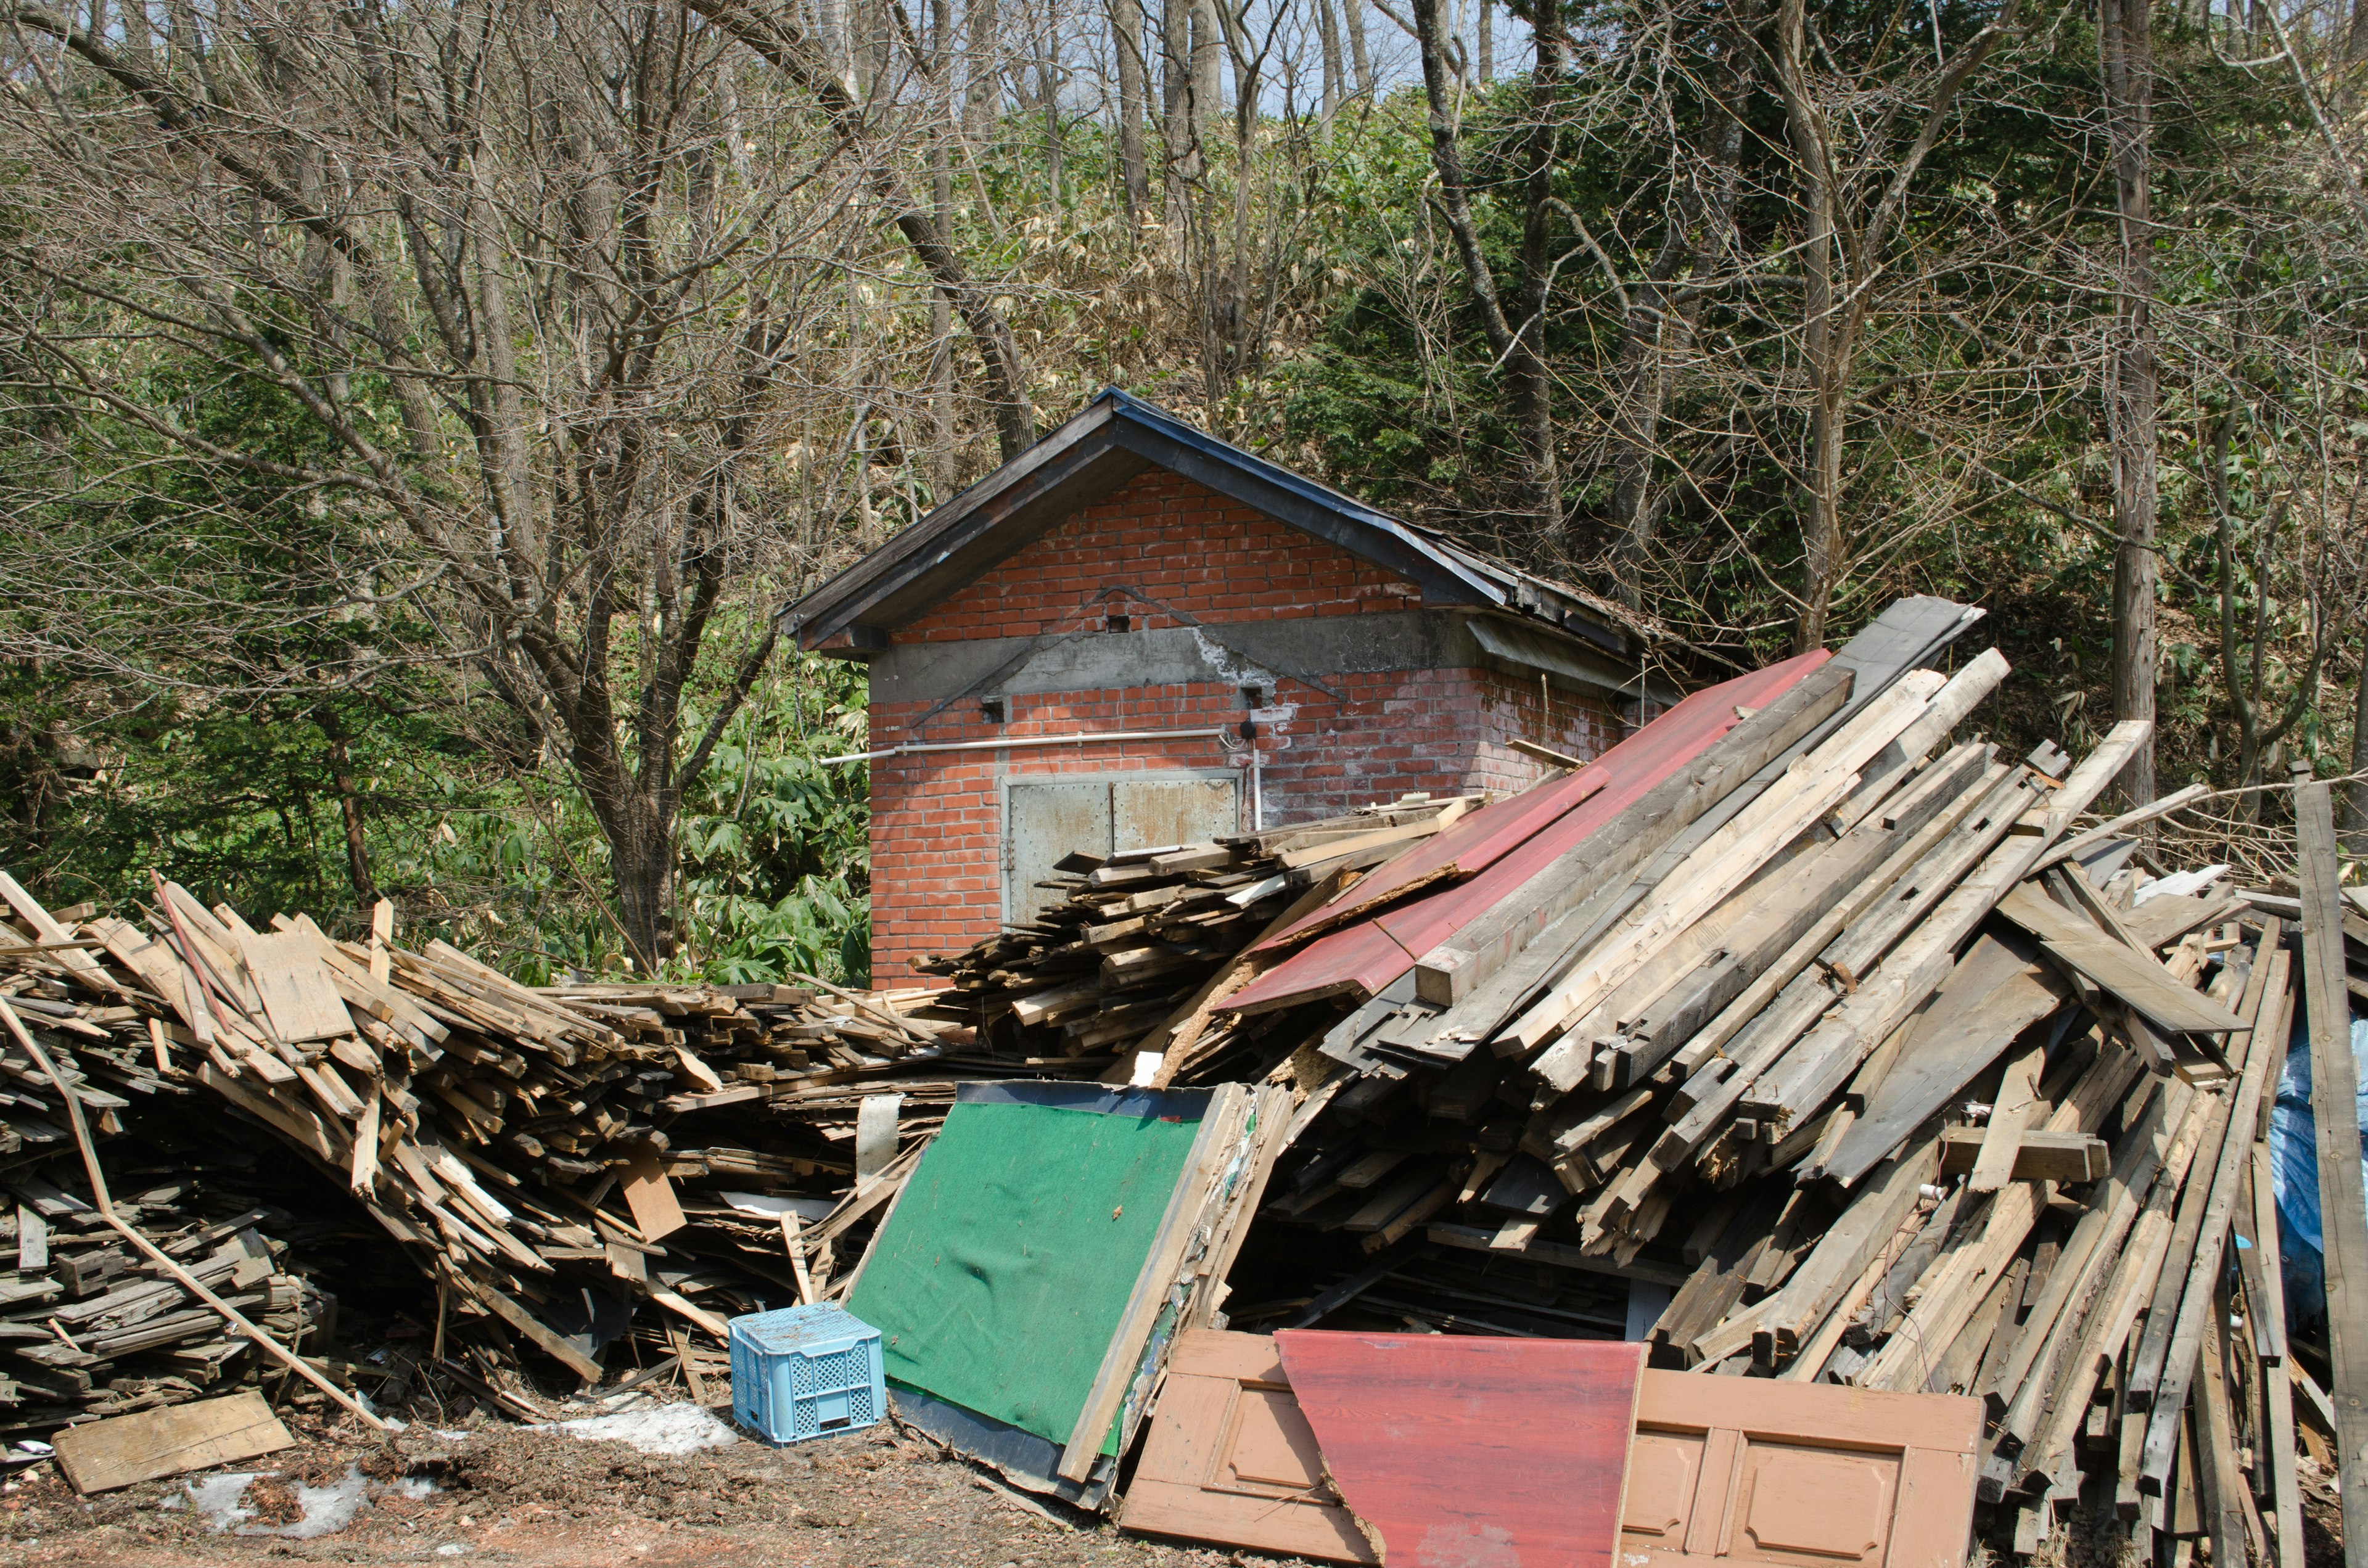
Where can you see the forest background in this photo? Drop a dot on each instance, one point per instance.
(416, 415)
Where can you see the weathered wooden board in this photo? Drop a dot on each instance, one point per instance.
(649, 1194)
(1232, 1459)
(299, 996)
(1453, 1451)
(2038, 1154)
(1990, 997)
(1742, 1469)
(124, 1449)
(2334, 1104)
(2136, 977)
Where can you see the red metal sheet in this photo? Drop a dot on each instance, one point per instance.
(1359, 960)
(1466, 848)
(1458, 1451)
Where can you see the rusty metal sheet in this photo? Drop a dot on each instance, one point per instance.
(1455, 1451)
(1042, 820)
(1148, 813)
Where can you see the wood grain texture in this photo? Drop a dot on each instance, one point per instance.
(1458, 1452)
(2334, 1105)
(1361, 958)
(125, 1449)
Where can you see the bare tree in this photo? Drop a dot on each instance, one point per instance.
(1516, 335)
(2125, 47)
(526, 292)
(1850, 184)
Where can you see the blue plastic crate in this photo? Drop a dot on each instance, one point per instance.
(805, 1372)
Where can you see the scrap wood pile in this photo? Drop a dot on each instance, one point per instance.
(1139, 934)
(523, 1145)
(1814, 1046)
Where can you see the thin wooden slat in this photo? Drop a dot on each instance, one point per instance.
(2343, 1206)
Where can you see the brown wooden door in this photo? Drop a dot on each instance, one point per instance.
(1801, 1475)
(1231, 1459)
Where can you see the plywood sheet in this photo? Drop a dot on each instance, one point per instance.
(649, 1194)
(1455, 1451)
(121, 1452)
(1232, 1459)
(1797, 1475)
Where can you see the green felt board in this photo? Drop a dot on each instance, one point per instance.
(1008, 1261)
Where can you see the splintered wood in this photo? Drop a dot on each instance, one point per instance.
(536, 1152)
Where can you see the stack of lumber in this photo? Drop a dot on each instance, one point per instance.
(1132, 958)
(1830, 1053)
(91, 1329)
(523, 1145)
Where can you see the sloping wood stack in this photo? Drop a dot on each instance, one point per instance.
(1145, 941)
(523, 1145)
(1867, 1070)
(92, 1330)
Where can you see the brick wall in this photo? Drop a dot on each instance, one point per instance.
(1164, 544)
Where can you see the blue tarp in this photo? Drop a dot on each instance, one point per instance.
(2294, 1173)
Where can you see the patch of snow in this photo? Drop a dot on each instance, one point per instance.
(667, 1429)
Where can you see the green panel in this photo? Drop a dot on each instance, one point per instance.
(1012, 1252)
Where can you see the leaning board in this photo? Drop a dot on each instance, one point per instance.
(1003, 1274)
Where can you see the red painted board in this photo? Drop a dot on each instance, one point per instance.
(1466, 848)
(1360, 959)
(1458, 1451)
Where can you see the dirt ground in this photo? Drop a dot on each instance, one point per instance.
(492, 1492)
(872, 1499)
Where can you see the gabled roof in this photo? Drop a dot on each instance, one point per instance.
(1118, 436)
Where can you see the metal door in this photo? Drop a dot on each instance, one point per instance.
(1043, 820)
(1147, 813)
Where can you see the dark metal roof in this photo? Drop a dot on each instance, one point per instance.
(1115, 438)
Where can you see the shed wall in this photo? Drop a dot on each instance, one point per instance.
(1164, 552)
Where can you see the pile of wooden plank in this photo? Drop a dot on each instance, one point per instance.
(1828, 1053)
(90, 1329)
(548, 1158)
(1133, 955)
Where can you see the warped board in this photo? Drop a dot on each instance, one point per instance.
(1362, 959)
(1456, 1450)
(1797, 1475)
(1232, 1459)
(1995, 993)
(1466, 848)
(125, 1449)
(2138, 978)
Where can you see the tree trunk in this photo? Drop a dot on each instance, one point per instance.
(1361, 64)
(1327, 22)
(1126, 24)
(1488, 43)
(945, 459)
(349, 811)
(2124, 38)
(984, 100)
(2355, 794)
(1174, 105)
(1207, 97)
(1528, 381)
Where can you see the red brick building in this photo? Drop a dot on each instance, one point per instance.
(1134, 634)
